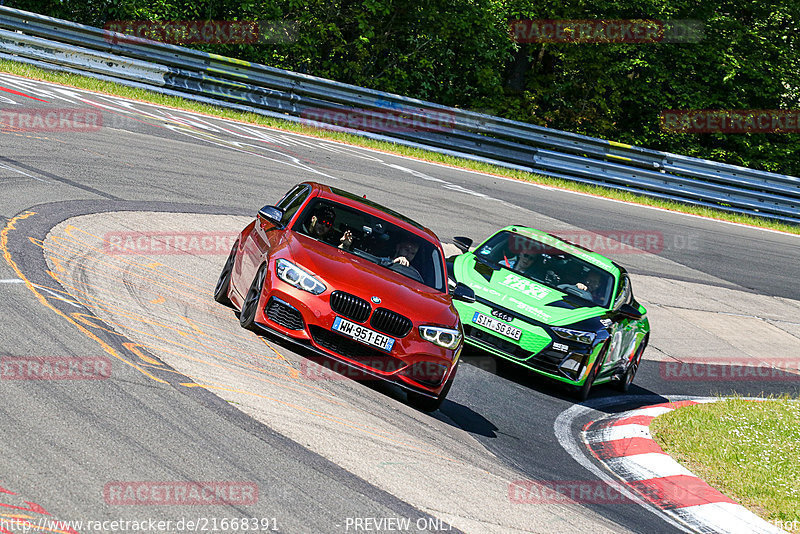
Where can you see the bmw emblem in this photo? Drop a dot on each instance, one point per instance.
(376, 300)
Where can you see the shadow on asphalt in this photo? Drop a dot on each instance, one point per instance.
(541, 384)
(466, 419)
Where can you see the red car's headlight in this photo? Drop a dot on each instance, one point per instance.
(448, 338)
(298, 277)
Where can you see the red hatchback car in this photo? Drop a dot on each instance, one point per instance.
(353, 281)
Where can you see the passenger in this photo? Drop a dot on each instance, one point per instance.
(404, 252)
(321, 223)
(522, 262)
(321, 226)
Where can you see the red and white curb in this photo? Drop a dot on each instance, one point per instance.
(623, 443)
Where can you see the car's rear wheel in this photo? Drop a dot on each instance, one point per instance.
(624, 385)
(247, 318)
(430, 404)
(224, 281)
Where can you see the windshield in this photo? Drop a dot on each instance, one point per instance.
(374, 239)
(548, 266)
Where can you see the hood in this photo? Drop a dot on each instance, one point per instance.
(516, 292)
(341, 270)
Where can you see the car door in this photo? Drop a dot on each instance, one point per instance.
(265, 234)
(623, 329)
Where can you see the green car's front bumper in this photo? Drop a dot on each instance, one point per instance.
(538, 348)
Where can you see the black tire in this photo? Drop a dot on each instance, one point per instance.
(429, 404)
(625, 384)
(247, 317)
(582, 392)
(224, 281)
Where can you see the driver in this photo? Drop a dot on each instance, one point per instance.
(593, 285)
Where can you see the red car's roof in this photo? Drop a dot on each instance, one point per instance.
(373, 208)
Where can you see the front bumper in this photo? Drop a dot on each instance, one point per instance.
(298, 316)
(538, 348)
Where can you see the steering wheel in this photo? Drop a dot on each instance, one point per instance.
(407, 270)
(575, 290)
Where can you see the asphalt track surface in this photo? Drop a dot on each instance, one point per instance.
(65, 441)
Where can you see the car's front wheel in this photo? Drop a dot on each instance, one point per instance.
(224, 281)
(582, 392)
(430, 404)
(247, 318)
(624, 385)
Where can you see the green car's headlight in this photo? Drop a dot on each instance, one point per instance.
(575, 335)
(298, 277)
(444, 337)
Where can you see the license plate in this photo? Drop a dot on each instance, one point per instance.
(497, 326)
(363, 334)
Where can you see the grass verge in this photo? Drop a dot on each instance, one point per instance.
(748, 450)
(84, 82)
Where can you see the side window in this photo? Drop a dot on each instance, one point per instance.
(624, 292)
(292, 202)
(287, 198)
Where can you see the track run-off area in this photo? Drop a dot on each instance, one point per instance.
(180, 394)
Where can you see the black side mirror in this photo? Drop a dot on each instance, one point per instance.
(272, 214)
(463, 243)
(463, 292)
(630, 312)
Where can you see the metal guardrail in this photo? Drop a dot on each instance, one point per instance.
(63, 45)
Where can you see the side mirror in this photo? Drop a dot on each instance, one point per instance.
(463, 243)
(272, 214)
(630, 312)
(463, 292)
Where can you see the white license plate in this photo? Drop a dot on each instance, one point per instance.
(500, 327)
(363, 334)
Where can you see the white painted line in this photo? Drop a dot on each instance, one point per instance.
(350, 148)
(726, 517)
(24, 173)
(646, 466)
(618, 432)
(57, 296)
(12, 281)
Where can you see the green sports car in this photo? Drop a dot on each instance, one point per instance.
(552, 307)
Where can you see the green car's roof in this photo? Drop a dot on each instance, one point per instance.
(556, 242)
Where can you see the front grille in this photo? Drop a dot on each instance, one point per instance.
(350, 306)
(504, 345)
(391, 323)
(352, 349)
(284, 314)
(546, 360)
